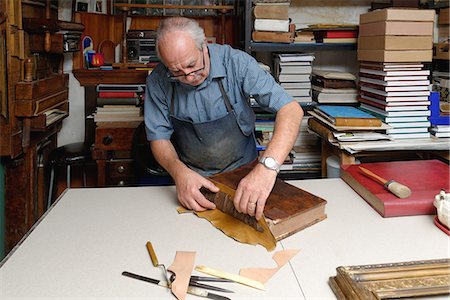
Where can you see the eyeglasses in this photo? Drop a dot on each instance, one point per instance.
(193, 73)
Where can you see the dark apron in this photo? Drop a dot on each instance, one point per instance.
(214, 146)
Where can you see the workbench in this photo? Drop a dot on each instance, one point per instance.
(80, 247)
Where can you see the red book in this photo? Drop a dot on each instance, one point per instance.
(117, 95)
(425, 178)
(336, 34)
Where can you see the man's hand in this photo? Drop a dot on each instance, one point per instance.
(188, 185)
(253, 191)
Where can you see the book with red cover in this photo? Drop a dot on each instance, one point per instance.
(117, 95)
(335, 34)
(425, 178)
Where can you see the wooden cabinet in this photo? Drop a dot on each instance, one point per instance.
(33, 103)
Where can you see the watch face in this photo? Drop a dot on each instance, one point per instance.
(270, 162)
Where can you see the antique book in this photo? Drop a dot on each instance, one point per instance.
(278, 11)
(392, 280)
(273, 36)
(424, 177)
(395, 55)
(396, 14)
(389, 42)
(396, 28)
(340, 115)
(288, 209)
(271, 25)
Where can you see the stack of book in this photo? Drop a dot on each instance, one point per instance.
(119, 105)
(396, 35)
(305, 157)
(440, 131)
(397, 94)
(272, 22)
(333, 87)
(394, 86)
(293, 72)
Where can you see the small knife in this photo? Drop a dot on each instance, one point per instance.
(191, 290)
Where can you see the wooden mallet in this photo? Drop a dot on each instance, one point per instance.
(398, 189)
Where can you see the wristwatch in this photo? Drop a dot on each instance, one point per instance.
(270, 163)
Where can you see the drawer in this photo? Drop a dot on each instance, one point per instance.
(114, 138)
(119, 172)
(119, 168)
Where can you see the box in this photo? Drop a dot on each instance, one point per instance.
(440, 51)
(443, 34)
(396, 28)
(444, 16)
(396, 14)
(395, 55)
(388, 42)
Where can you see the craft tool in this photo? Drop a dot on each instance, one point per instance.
(234, 277)
(194, 281)
(155, 262)
(191, 289)
(396, 188)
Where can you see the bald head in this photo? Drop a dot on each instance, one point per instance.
(168, 27)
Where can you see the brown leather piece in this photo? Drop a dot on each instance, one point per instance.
(264, 274)
(236, 229)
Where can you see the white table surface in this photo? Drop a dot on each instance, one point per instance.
(80, 248)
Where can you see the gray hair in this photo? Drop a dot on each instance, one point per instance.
(168, 25)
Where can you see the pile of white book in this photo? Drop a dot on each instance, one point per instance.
(397, 93)
(293, 72)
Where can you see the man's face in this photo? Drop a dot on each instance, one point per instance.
(184, 61)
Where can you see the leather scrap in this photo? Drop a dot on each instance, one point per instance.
(182, 267)
(264, 274)
(236, 229)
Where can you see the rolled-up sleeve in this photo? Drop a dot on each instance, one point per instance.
(156, 111)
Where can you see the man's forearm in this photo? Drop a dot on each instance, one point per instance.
(287, 124)
(167, 157)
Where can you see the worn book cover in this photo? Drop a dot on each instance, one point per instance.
(389, 42)
(288, 209)
(398, 14)
(341, 115)
(273, 36)
(425, 178)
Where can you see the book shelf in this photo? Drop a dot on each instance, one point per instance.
(251, 46)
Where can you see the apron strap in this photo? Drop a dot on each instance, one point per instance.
(225, 96)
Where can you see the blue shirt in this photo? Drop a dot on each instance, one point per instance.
(241, 76)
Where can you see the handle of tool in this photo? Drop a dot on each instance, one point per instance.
(152, 253)
(373, 175)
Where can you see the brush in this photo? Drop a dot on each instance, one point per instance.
(396, 188)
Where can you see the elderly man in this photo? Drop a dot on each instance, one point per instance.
(199, 122)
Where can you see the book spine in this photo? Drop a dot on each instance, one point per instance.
(320, 129)
(117, 95)
(370, 198)
(117, 101)
(360, 122)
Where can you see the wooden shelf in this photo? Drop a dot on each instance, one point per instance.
(296, 47)
(95, 77)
